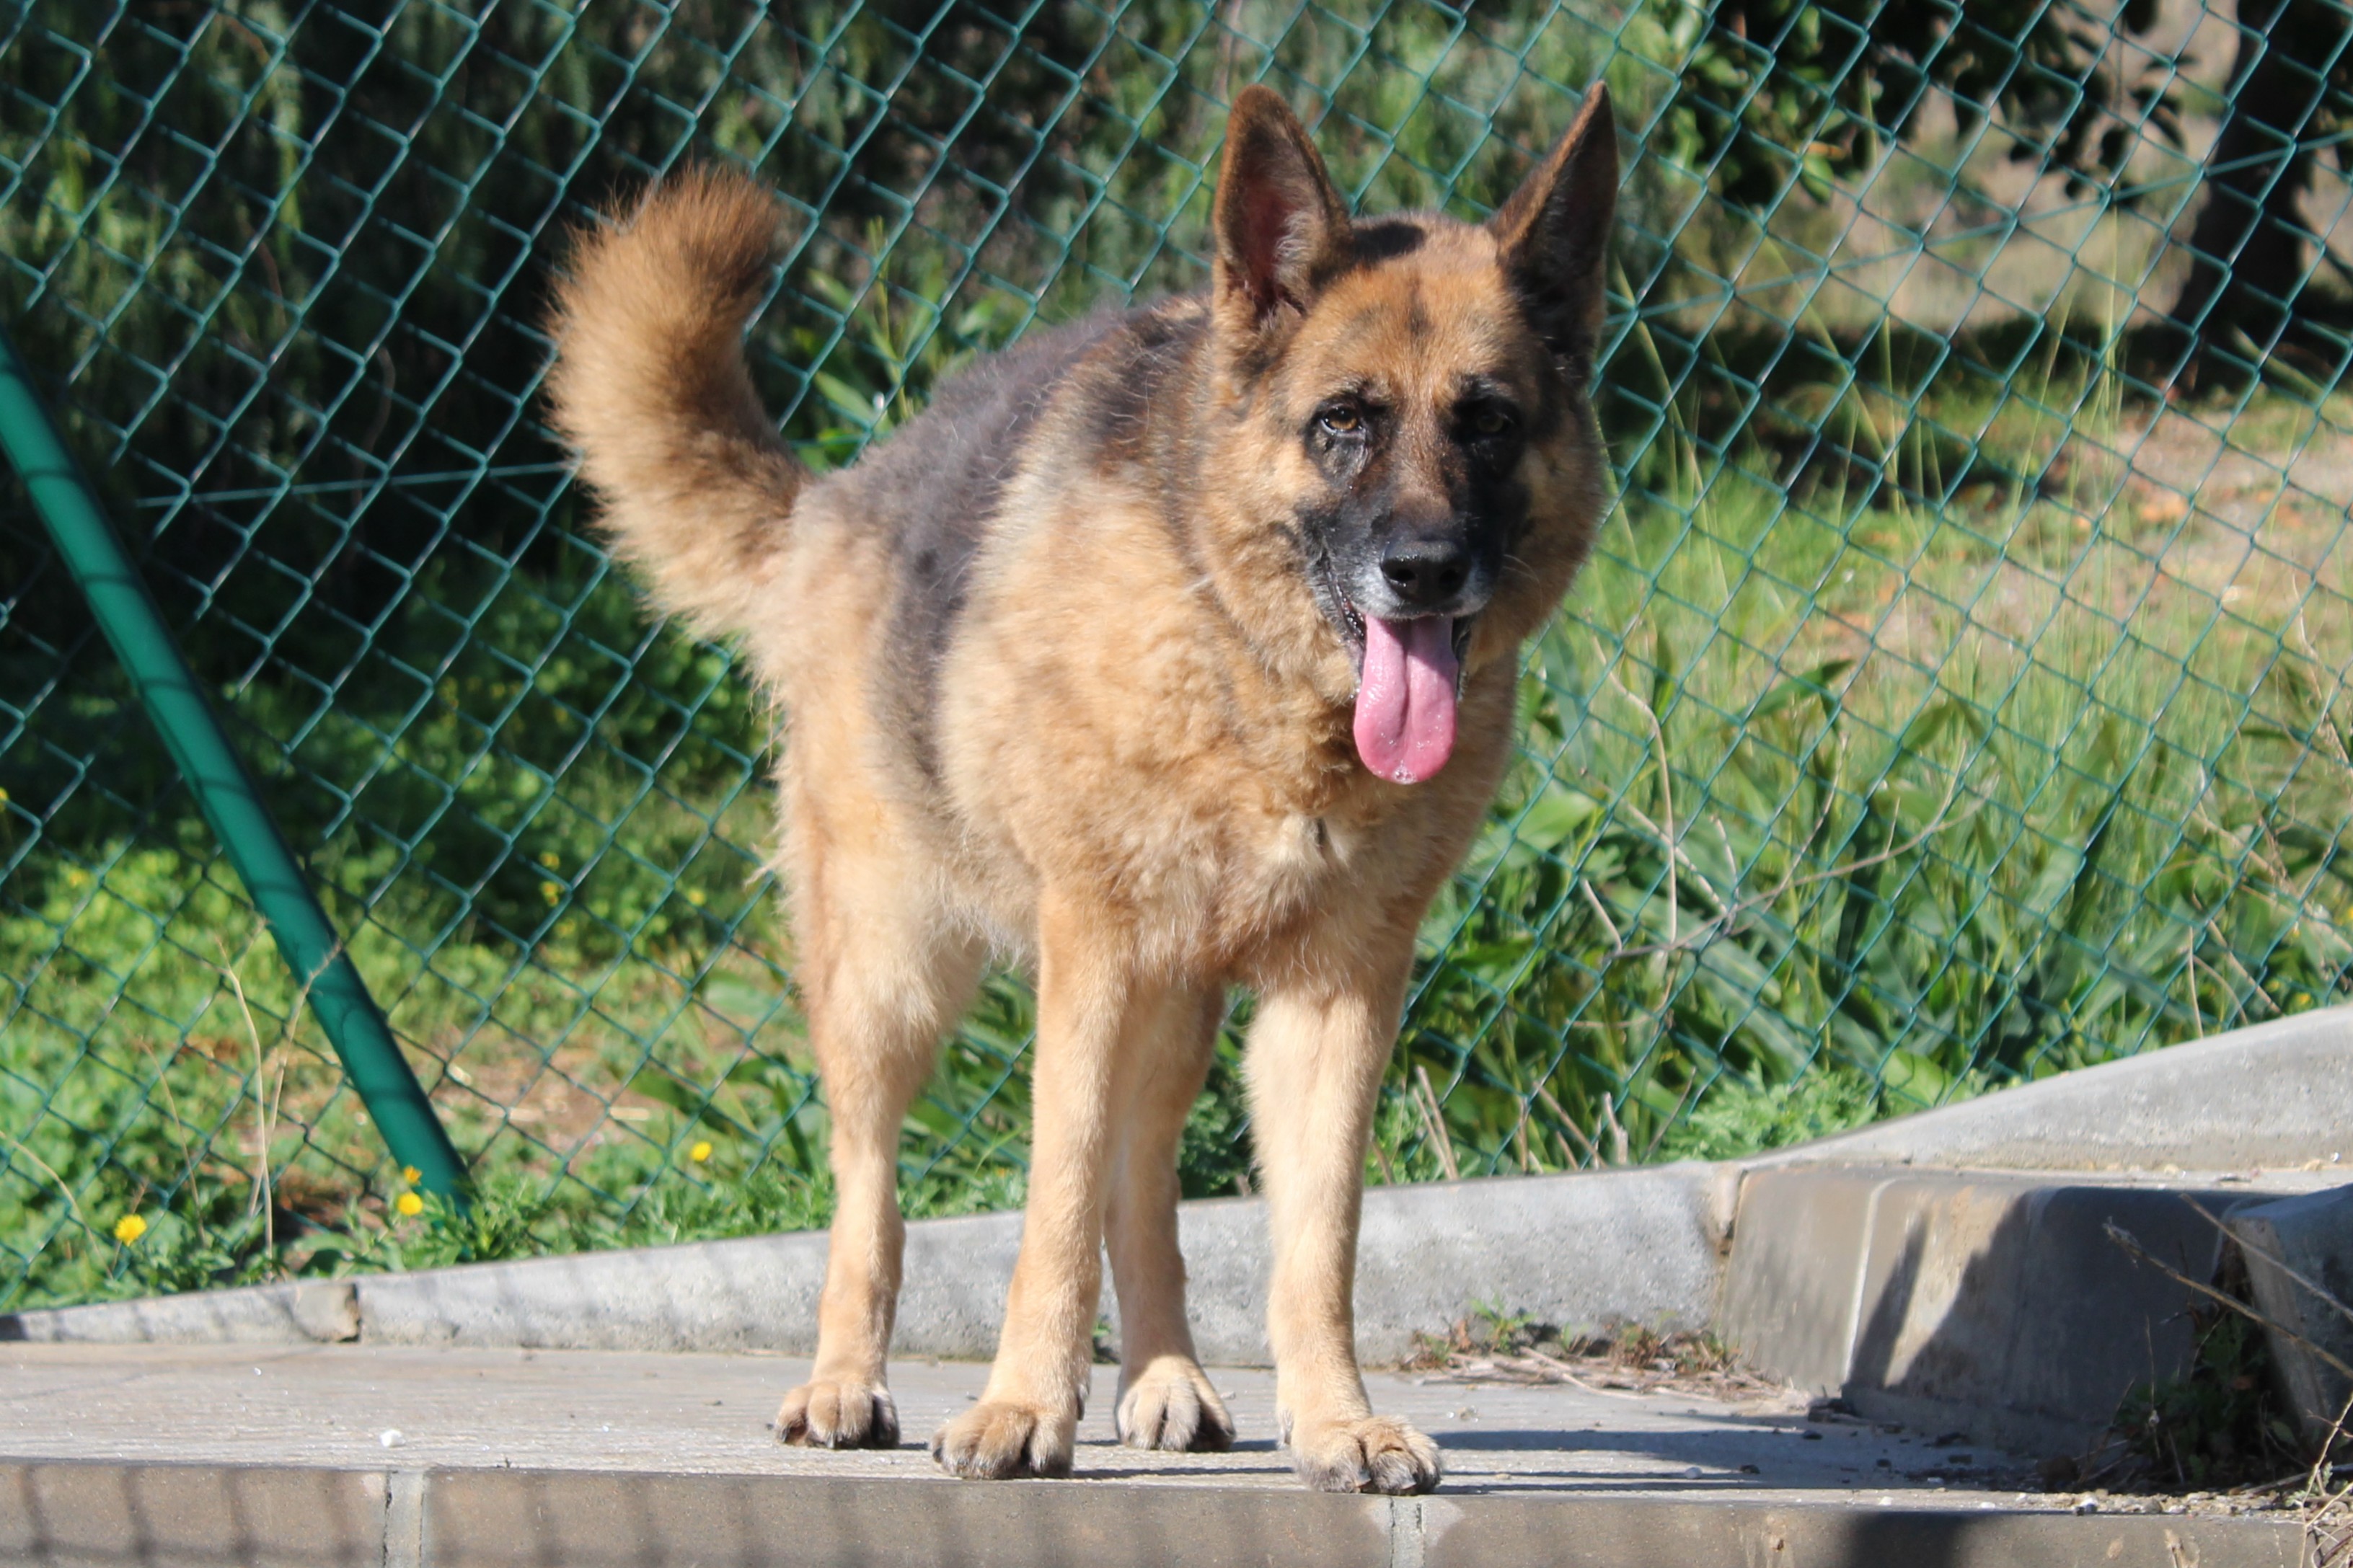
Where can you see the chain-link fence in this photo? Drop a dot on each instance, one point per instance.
(1958, 695)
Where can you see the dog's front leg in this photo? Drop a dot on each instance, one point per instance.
(1088, 996)
(1313, 1062)
(1165, 1399)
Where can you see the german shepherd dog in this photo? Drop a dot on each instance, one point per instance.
(1167, 652)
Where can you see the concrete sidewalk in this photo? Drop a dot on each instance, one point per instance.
(403, 1456)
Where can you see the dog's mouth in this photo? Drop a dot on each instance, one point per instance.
(1409, 680)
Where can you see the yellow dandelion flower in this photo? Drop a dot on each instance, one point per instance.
(551, 891)
(409, 1205)
(411, 1175)
(695, 896)
(701, 1151)
(130, 1228)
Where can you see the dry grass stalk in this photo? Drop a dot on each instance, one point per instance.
(2131, 1243)
(1433, 1123)
(264, 1113)
(1565, 1127)
(2325, 1507)
(1620, 1151)
(1633, 1362)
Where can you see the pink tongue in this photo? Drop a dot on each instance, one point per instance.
(1405, 701)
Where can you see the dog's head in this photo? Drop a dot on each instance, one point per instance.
(1410, 393)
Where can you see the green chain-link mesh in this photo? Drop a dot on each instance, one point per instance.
(1958, 695)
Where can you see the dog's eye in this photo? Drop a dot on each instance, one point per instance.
(1341, 419)
(1490, 419)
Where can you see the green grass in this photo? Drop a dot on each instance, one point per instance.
(1956, 798)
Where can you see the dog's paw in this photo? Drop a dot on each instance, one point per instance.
(1171, 1406)
(1376, 1454)
(839, 1415)
(998, 1439)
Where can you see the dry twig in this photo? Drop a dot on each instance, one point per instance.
(1433, 1123)
(2131, 1243)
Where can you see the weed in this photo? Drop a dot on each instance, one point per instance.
(1740, 1118)
(2219, 1424)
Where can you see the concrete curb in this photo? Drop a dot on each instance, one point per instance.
(209, 1516)
(2299, 1257)
(1992, 1304)
(1583, 1251)
(2275, 1096)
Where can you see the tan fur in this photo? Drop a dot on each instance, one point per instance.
(1114, 742)
(649, 384)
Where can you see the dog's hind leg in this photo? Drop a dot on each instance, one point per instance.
(1165, 1400)
(880, 981)
(1314, 1058)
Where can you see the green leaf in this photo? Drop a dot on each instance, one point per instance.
(1914, 1077)
(846, 399)
(1557, 815)
(1815, 682)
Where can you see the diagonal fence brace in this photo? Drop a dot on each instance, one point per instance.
(225, 790)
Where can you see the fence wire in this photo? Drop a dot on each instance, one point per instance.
(1958, 695)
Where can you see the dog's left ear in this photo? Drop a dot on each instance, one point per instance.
(1281, 231)
(1554, 232)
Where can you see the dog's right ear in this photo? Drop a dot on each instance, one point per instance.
(1281, 232)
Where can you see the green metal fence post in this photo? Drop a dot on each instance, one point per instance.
(70, 507)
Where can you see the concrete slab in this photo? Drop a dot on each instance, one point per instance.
(494, 1518)
(2299, 1257)
(223, 1454)
(708, 1415)
(1990, 1303)
(286, 1517)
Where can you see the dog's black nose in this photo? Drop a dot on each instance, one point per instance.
(1425, 573)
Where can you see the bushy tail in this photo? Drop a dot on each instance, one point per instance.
(649, 384)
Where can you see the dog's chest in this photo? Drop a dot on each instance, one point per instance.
(1279, 872)
(1297, 856)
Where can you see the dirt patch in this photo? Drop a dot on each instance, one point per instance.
(1491, 1349)
(2181, 539)
(2246, 509)
(2236, 464)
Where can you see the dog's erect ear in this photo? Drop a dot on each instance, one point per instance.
(1282, 232)
(1553, 234)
